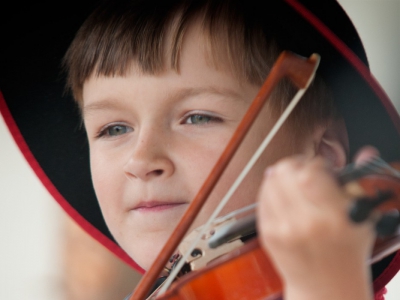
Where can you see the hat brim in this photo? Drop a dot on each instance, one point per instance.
(46, 125)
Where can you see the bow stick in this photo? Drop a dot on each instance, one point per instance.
(300, 71)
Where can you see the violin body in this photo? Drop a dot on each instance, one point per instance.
(247, 264)
(250, 272)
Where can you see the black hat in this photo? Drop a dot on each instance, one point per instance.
(46, 125)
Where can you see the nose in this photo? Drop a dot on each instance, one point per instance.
(148, 160)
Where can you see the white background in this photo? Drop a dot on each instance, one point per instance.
(31, 222)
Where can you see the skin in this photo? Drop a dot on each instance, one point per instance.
(154, 139)
(305, 230)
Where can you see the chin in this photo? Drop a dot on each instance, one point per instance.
(146, 258)
(145, 251)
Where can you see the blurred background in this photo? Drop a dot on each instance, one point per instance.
(46, 256)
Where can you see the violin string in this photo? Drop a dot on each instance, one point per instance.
(362, 170)
(375, 166)
(239, 179)
(392, 171)
(383, 167)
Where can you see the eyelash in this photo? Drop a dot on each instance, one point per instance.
(202, 115)
(104, 131)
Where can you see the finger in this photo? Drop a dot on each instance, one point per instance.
(366, 154)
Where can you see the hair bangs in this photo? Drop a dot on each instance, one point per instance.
(108, 43)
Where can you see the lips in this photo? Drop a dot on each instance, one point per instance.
(154, 206)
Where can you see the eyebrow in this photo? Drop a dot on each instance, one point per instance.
(191, 92)
(109, 104)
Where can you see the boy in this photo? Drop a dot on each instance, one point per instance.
(162, 88)
(159, 114)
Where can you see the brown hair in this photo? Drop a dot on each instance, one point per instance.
(120, 32)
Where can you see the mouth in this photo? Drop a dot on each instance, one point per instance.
(157, 206)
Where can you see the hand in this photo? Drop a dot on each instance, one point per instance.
(304, 228)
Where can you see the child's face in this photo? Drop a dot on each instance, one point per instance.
(155, 138)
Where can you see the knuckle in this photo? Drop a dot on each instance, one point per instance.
(287, 166)
(306, 177)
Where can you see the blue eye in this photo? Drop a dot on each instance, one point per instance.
(114, 130)
(199, 119)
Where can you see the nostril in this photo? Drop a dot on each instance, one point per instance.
(158, 172)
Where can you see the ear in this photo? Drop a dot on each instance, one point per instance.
(331, 142)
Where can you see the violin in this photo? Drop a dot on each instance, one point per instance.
(376, 189)
(375, 186)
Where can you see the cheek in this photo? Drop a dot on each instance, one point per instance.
(106, 181)
(282, 145)
(97, 172)
(199, 165)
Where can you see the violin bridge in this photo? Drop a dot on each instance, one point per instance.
(202, 255)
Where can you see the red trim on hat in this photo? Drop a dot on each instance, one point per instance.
(387, 275)
(88, 227)
(354, 60)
